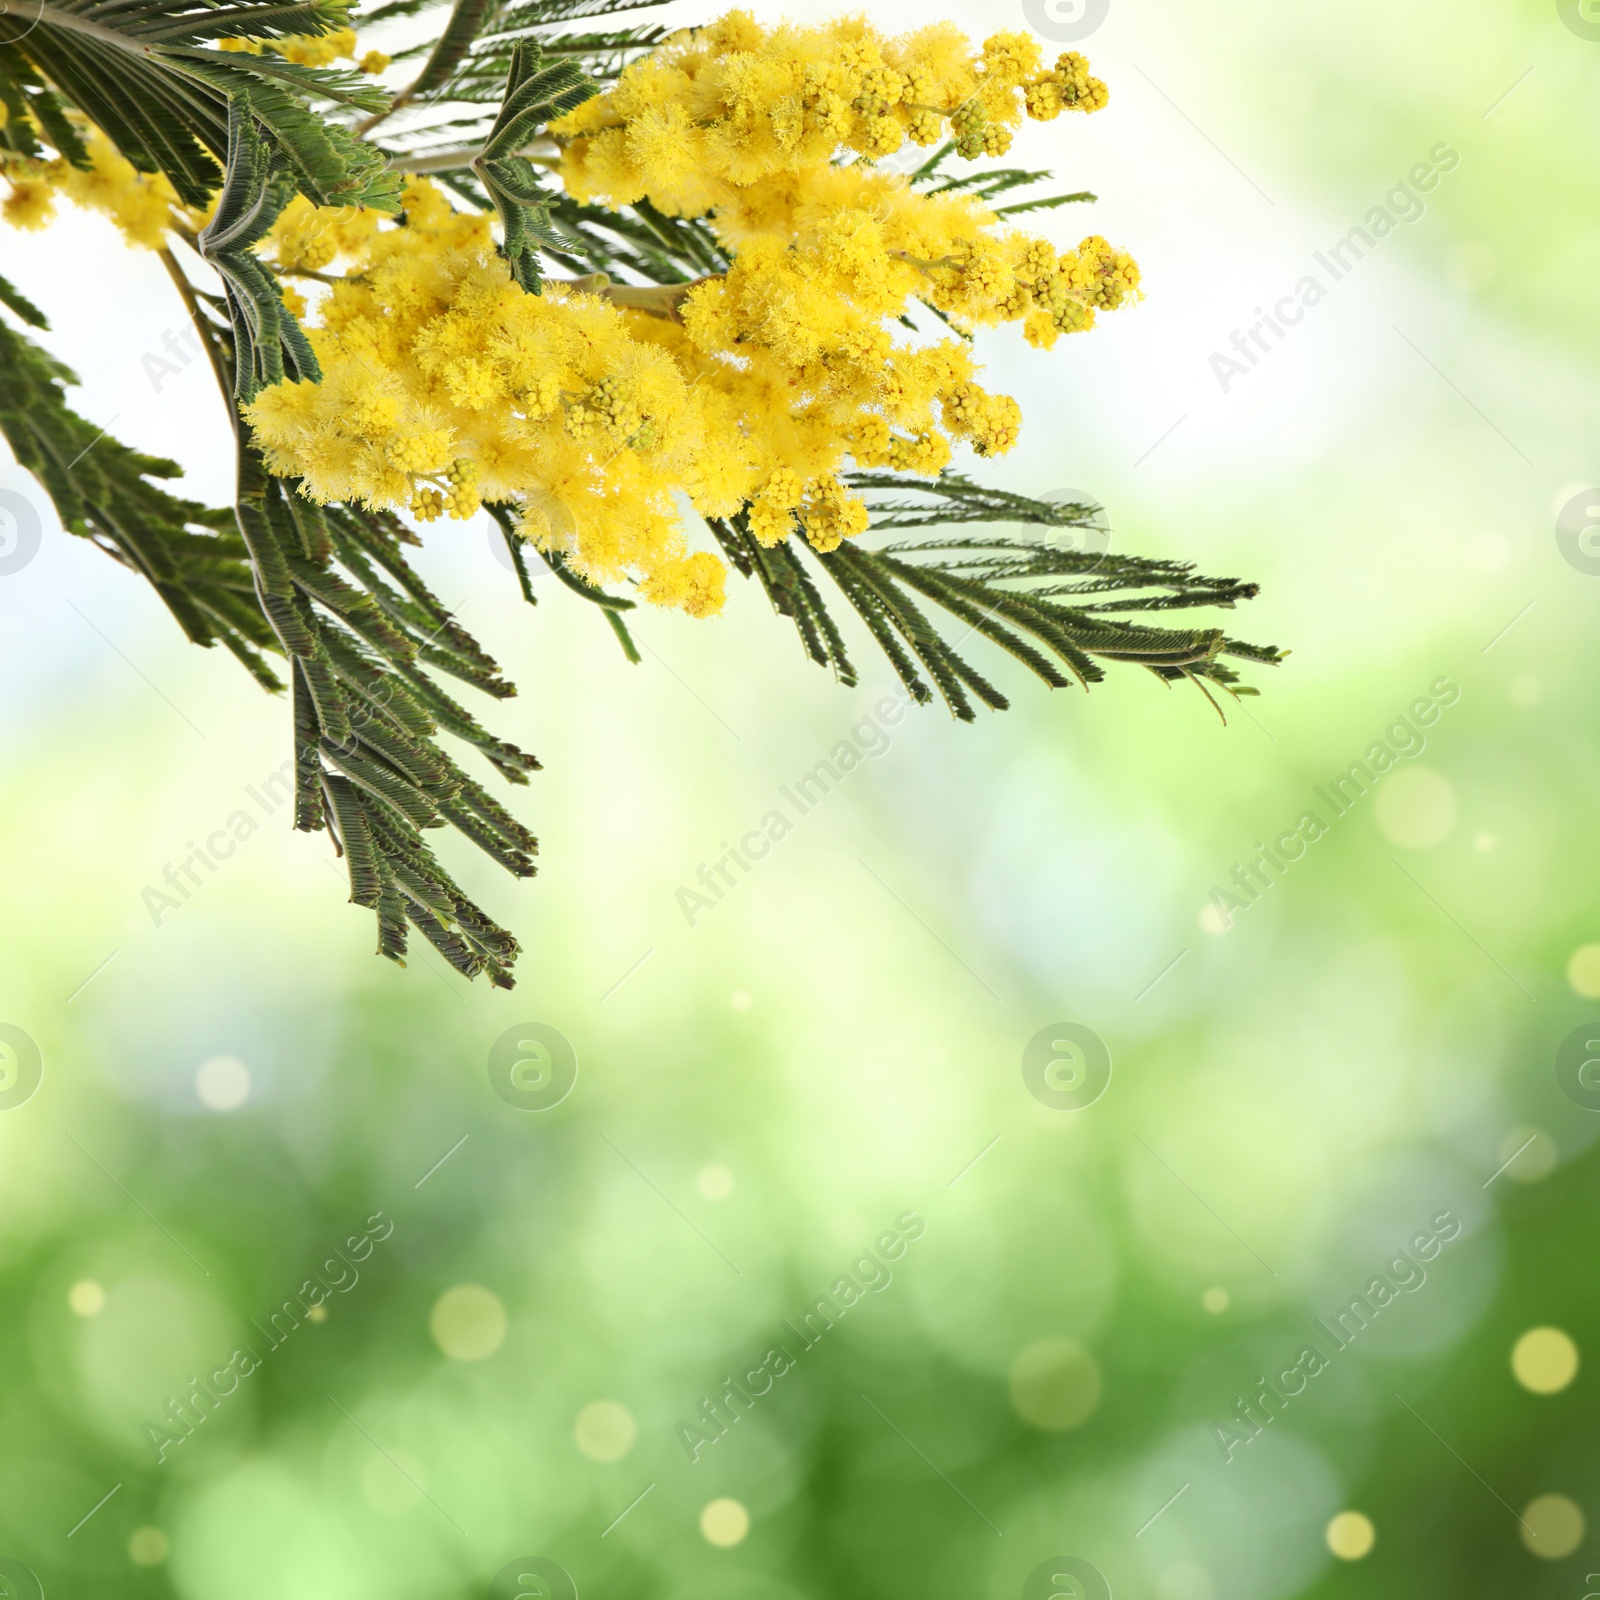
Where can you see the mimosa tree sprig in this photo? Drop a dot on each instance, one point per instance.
(573, 276)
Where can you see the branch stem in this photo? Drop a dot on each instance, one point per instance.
(321, 277)
(466, 19)
(542, 153)
(655, 299)
(205, 330)
(922, 265)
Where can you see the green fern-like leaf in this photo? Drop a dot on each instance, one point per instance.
(269, 344)
(366, 715)
(190, 554)
(145, 74)
(330, 588)
(1058, 608)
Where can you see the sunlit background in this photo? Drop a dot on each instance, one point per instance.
(1045, 1382)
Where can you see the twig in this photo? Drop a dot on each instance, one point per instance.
(542, 153)
(656, 299)
(206, 331)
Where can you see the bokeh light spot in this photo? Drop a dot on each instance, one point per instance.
(714, 1182)
(724, 1523)
(148, 1547)
(1552, 1527)
(1583, 971)
(1529, 1154)
(1294, 93)
(87, 1298)
(605, 1430)
(1472, 266)
(1055, 1384)
(1545, 1360)
(1216, 1300)
(1487, 551)
(1351, 1536)
(468, 1322)
(1416, 808)
(392, 1483)
(740, 1000)
(222, 1083)
(1188, 1580)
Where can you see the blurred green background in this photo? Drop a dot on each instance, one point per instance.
(227, 1096)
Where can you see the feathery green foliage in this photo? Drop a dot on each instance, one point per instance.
(145, 75)
(330, 588)
(190, 554)
(15, 301)
(535, 95)
(268, 341)
(1005, 589)
(365, 715)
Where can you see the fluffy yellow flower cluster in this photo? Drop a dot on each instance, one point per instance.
(750, 126)
(444, 384)
(141, 205)
(734, 103)
(313, 49)
(822, 270)
(753, 388)
(592, 406)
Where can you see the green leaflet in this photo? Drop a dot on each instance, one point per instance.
(269, 344)
(330, 588)
(15, 301)
(1059, 610)
(190, 554)
(535, 94)
(368, 767)
(141, 73)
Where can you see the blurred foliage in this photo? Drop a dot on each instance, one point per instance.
(1292, 1097)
